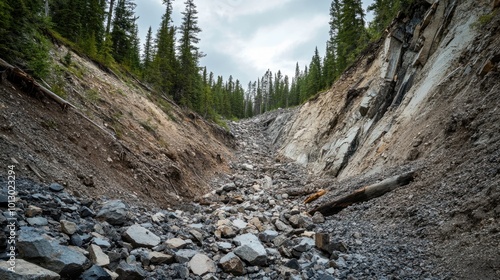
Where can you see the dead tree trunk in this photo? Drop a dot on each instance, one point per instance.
(364, 194)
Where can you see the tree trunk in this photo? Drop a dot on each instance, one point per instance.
(110, 16)
(364, 194)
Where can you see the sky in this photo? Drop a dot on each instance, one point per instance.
(244, 38)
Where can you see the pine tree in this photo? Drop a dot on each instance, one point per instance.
(147, 56)
(164, 65)
(123, 31)
(189, 79)
(314, 77)
(384, 11)
(329, 71)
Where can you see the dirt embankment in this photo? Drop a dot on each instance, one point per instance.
(147, 149)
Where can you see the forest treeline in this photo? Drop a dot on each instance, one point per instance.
(169, 60)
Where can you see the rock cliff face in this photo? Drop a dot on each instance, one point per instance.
(394, 105)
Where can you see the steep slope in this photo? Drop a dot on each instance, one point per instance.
(122, 140)
(425, 98)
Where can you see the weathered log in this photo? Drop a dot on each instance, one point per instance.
(364, 194)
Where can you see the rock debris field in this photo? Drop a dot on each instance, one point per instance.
(249, 227)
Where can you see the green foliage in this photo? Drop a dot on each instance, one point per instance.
(92, 95)
(485, 19)
(21, 25)
(67, 59)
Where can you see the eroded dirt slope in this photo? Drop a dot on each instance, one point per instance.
(147, 148)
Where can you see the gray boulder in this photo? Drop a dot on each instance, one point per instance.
(26, 271)
(141, 237)
(250, 249)
(130, 272)
(49, 254)
(96, 273)
(201, 264)
(113, 212)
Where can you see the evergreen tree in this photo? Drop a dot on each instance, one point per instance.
(384, 11)
(314, 77)
(189, 79)
(147, 56)
(352, 35)
(21, 42)
(329, 71)
(123, 31)
(164, 64)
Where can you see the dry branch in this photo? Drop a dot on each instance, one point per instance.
(364, 194)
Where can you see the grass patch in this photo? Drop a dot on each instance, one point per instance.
(149, 127)
(484, 19)
(221, 122)
(92, 95)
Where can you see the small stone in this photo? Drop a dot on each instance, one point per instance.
(282, 226)
(158, 217)
(96, 273)
(176, 243)
(268, 235)
(160, 258)
(103, 243)
(130, 272)
(240, 224)
(86, 212)
(256, 223)
(247, 167)
(184, 255)
(201, 264)
(33, 211)
(97, 256)
(227, 231)
(68, 227)
(76, 240)
(231, 263)
(318, 218)
(198, 236)
(37, 221)
(55, 187)
(293, 264)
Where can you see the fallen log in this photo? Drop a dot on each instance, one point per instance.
(364, 194)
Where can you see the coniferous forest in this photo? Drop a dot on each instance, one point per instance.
(106, 31)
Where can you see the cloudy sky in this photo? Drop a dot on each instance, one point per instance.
(244, 38)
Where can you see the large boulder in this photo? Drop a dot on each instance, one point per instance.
(141, 237)
(113, 212)
(250, 249)
(35, 247)
(26, 271)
